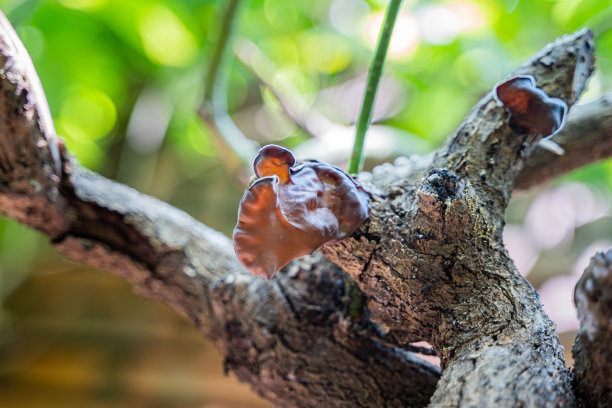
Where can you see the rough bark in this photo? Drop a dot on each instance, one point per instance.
(303, 339)
(432, 259)
(429, 264)
(592, 352)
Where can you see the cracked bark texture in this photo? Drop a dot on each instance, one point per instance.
(301, 340)
(429, 264)
(432, 259)
(592, 353)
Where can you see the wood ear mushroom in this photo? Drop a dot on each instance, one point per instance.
(291, 210)
(531, 109)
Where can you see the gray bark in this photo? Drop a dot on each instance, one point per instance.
(301, 340)
(429, 264)
(592, 353)
(432, 258)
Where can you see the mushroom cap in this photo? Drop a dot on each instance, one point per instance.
(264, 240)
(294, 210)
(273, 160)
(531, 109)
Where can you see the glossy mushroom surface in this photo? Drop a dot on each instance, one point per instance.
(291, 210)
(531, 109)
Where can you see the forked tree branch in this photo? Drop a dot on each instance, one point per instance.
(302, 339)
(432, 260)
(585, 139)
(429, 262)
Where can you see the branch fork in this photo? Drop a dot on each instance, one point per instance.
(428, 264)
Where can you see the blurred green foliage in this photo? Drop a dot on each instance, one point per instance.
(124, 79)
(95, 58)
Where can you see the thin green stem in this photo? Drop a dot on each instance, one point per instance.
(374, 74)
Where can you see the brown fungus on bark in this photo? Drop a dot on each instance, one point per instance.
(291, 210)
(531, 109)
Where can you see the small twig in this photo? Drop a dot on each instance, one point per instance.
(214, 107)
(374, 74)
(585, 139)
(426, 351)
(224, 35)
(294, 106)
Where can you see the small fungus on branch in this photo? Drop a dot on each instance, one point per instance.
(291, 210)
(531, 109)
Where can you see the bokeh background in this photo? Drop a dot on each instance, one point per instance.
(125, 81)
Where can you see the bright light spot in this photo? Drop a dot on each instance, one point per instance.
(348, 16)
(199, 137)
(342, 103)
(324, 52)
(333, 145)
(439, 25)
(89, 110)
(149, 122)
(405, 37)
(557, 296)
(78, 142)
(469, 15)
(281, 14)
(86, 115)
(522, 251)
(579, 203)
(280, 49)
(554, 214)
(547, 223)
(564, 10)
(165, 38)
(86, 5)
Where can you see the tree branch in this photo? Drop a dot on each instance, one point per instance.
(432, 260)
(586, 138)
(303, 339)
(485, 150)
(592, 364)
(408, 212)
(307, 118)
(429, 262)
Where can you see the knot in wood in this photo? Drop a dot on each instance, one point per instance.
(444, 204)
(443, 182)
